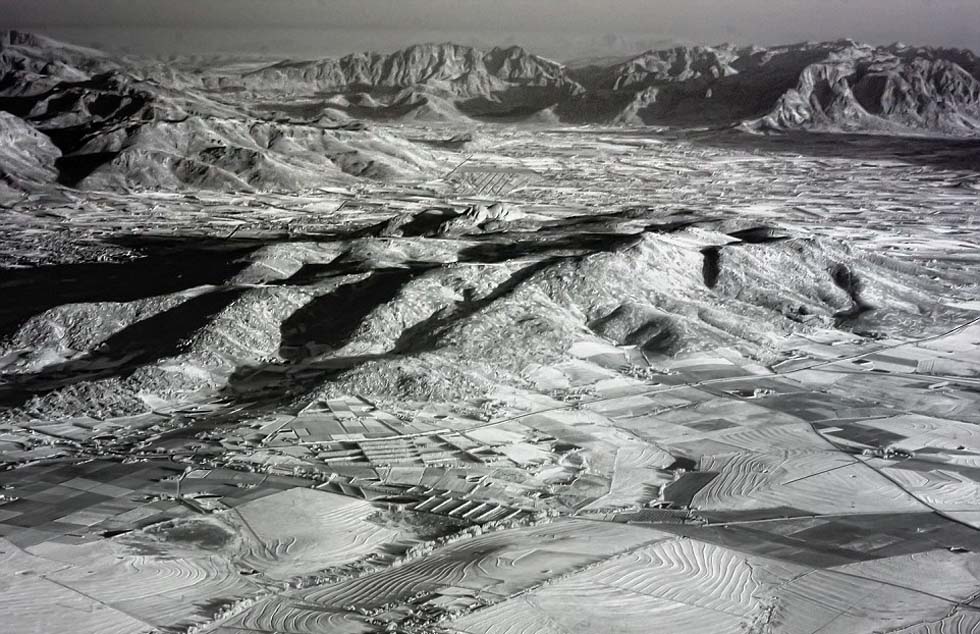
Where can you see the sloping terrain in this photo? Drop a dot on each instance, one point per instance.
(29, 157)
(114, 129)
(832, 86)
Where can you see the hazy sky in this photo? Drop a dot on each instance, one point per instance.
(938, 22)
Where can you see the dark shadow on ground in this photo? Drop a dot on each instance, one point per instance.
(492, 251)
(324, 324)
(162, 269)
(329, 321)
(424, 335)
(161, 336)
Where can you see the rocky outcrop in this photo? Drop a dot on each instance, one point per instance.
(680, 64)
(459, 70)
(27, 157)
(111, 129)
(293, 125)
(843, 85)
(881, 91)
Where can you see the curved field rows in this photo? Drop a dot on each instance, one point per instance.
(740, 477)
(162, 591)
(686, 571)
(516, 616)
(821, 482)
(766, 438)
(392, 584)
(304, 530)
(914, 425)
(572, 609)
(282, 615)
(501, 563)
(35, 604)
(680, 585)
(634, 475)
(958, 442)
(944, 490)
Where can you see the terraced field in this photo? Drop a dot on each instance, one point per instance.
(301, 531)
(497, 564)
(686, 585)
(155, 590)
(491, 566)
(113, 589)
(813, 482)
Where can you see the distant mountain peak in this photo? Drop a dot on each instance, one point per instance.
(29, 39)
(455, 68)
(841, 84)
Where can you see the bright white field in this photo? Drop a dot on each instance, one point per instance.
(302, 531)
(820, 482)
(680, 584)
(634, 473)
(499, 563)
(494, 565)
(104, 587)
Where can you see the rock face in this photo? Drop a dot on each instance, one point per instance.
(841, 85)
(26, 155)
(132, 123)
(681, 64)
(73, 116)
(863, 89)
(31, 63)
(434, 82)
(459, 70)
(828, 86)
